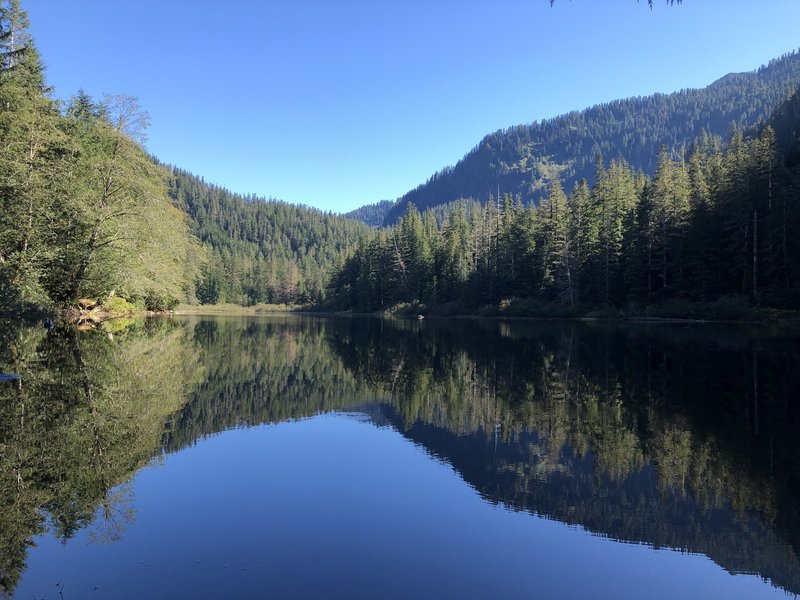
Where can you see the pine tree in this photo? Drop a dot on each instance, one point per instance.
(613, 196)
(416, 258)
(582, 235)
(771, 252)
(735, 215)
(455, 252)
(669, 195)
(554, 246)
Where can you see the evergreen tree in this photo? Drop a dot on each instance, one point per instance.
(613, 196)
(554, 247)
(32, 151)
(582, 235)
(455, 254)
(417, 258)
(669, 196)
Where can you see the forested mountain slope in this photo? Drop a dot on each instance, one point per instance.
(520, 159)
(259, 250)
(710, 225)
(371, 214)
(86, 213)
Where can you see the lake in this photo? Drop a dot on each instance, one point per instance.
(296, 456)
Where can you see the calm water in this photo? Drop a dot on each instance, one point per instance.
(297, 457)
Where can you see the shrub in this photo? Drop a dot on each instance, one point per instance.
(159, 302)
(117, 304)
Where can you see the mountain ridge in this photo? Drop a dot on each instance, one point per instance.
(521, 159)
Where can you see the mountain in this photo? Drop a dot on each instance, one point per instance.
(86, 213)
(371, 214)
(521, 159)
(261, 251)
(712, 225)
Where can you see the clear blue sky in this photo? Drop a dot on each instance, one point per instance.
(336, 104)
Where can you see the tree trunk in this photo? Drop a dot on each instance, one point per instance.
(755, 255)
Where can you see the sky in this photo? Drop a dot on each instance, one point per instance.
(336, 103)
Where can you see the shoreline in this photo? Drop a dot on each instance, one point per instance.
(251, 311)
(97, 316)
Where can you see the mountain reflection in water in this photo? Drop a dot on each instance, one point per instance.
(674, 436)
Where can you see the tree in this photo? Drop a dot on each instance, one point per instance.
(119, 209)
(555, 246)
(16, 44)
(415, 254)
(614, 195)
(669, 195)
(455, 254)
(32, 149)
(582, 235)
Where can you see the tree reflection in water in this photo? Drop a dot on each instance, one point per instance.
(675, 436)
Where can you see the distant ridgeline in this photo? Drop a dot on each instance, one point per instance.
(522, 160)
(720, 224)
(642, 434)
(371, 214)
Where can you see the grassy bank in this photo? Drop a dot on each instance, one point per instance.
(724, 309)
(224, 309)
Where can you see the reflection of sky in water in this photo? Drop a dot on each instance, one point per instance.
(333, 506)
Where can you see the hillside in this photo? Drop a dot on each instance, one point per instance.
(371, 214)
(711, 226)
(86, 213)
(520, 159)
(261, 250)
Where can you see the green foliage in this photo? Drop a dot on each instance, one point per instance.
(371, 214)
(116, 304)
(720, 225)
(156, 301)
(83, 209)
(33, 158)
(262, 251)
(208, 287)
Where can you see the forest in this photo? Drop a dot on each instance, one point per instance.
(87, 213)
(83, 209)
(717, 223)
(259, 251)
(522, 159)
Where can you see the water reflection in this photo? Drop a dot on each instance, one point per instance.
(679, 437)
